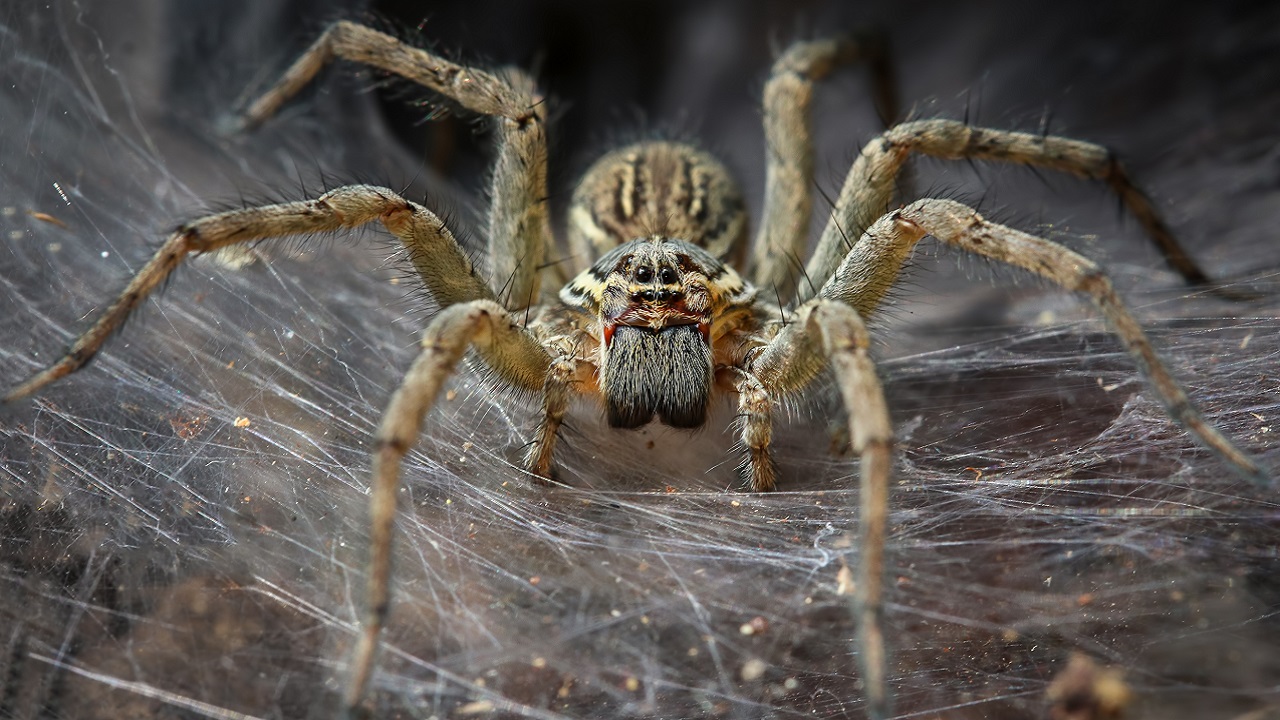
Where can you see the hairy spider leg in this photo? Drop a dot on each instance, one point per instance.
(490, 329)
(870, 184)
(445, 268)
(829, 332)
(519, 230)
(871, 266)
(783, 238)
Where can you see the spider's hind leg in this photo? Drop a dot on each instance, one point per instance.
(788, 196)
(518, 227)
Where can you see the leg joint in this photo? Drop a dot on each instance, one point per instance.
(1094, 281)
(394, 443)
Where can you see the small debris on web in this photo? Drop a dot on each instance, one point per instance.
(1083, 690)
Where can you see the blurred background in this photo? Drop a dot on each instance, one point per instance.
(183, 524)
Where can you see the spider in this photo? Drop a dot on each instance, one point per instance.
(661, 324)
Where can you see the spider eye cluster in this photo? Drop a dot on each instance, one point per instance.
(656, 270)
(665, 277)
(660, 295)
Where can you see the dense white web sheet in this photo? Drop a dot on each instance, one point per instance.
(183, 524)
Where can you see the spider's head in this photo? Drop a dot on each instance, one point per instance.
(656, 302)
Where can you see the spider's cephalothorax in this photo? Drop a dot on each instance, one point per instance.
(661, 321)
(665, 215)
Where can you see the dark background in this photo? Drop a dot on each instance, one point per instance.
(182, 525)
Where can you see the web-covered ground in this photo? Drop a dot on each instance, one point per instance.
(183, 524)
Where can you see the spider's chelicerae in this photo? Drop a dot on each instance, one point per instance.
(661, 324)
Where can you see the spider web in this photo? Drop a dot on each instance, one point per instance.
(183, 524)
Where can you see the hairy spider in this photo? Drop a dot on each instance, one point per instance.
(661, 324)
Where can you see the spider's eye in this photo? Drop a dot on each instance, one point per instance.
(644, 274)
(667, 276)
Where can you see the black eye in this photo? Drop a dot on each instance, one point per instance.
(668, 276)
(643, 274)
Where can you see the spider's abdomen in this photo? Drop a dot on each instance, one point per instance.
(665, 372)
(657, 188)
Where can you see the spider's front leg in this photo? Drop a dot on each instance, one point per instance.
(471, 318)
(515, 354)
(872, 265)
(827, 333)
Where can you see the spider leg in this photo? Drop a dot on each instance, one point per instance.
(556, 396)
(518, 227)
(444, 267)
(788, 197)
(873, 263)
(870, 184)
(823, 332)
(492, 330)
(756, 429)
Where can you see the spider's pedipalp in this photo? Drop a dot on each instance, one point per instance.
(557, 392)
(755, 427)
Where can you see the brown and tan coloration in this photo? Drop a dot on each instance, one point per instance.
(661, 325)
(1084, 690)
(660, 188)
(661, 309)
